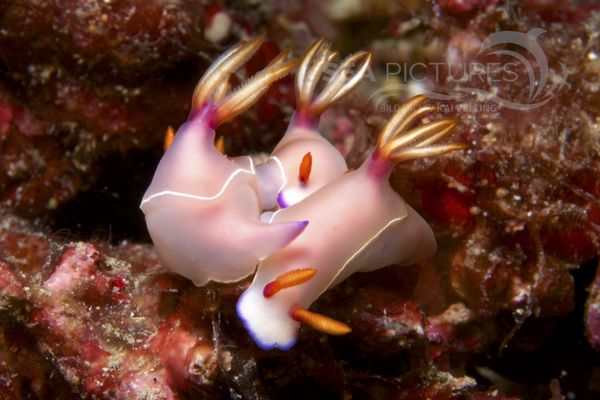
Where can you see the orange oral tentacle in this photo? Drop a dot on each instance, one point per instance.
(320, 322)
(220, 144)
(169, 136)
(289, 279)
(305, 167)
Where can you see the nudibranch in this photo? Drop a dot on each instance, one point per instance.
(201, 207)
(304, 161)
(357, 223)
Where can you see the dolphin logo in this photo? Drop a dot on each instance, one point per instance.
(529, 42)
(525, 48)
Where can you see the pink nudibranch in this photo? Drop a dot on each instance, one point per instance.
(279, 182)
(357, 223)
(201, 208)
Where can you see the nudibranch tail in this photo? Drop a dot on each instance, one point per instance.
(397, 144)
(341, 83)
(213, 87)
(320, 322)
(288, 279)
(268, 238)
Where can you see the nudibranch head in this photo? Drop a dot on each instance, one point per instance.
(357, 223)
(285, 179)
(201, 208)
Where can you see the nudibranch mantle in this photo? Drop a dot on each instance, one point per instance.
(358, 223)
(179, 166)
(203, 214)
(201, 208)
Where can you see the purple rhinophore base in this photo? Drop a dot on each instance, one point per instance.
(281, 201)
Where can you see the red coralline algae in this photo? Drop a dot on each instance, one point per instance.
(98, 320)
(127, 37)
(161, 336)
(81, 81)
(463, 6)
(35, 175)
(592, 313)
(510, 206)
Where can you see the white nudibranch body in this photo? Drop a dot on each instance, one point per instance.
(201, 208)
(280, 179)
(357, 223)
(202, 212)
(304, 161)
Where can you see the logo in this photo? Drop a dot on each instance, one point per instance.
(509, 58)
